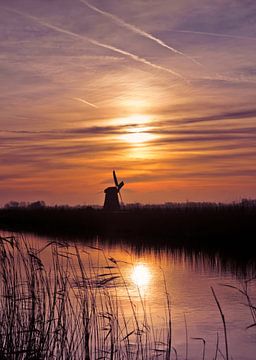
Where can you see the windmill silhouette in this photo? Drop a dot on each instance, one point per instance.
(111, 195)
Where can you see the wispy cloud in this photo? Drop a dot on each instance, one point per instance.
(98, 43)
(137, 30)
(232, 115)
(204, 33)
(224, 78)
(180, 173)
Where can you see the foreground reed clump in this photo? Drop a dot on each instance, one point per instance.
(69, 310)
(57, 303)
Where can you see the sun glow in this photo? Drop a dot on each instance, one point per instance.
(135, 119)
(137, 129)
(141, 275)
(137, 138)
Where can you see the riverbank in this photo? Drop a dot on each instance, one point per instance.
(224, 229)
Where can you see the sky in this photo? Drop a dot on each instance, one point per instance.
(161, 91)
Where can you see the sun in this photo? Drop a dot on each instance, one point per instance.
(137, 129)
(137, 136)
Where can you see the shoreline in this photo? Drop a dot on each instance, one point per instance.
(228, 230)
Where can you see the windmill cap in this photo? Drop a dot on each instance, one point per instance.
(111, 189)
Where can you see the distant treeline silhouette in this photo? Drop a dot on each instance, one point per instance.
(221, 228)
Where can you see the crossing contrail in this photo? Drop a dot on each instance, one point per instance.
(136, 30)
(97, 43)
(85, 102)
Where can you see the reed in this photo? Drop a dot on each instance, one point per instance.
(223, 322)
(69, 310)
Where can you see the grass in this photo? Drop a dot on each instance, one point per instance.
(71, 309)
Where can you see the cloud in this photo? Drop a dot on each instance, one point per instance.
(232, 115)
(204, 33)
(168, 127)
(130, 55)
(211, 131)
(175, 174)
(136, 30)
(250, 138)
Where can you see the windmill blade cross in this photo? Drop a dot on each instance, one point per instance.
(118, 185)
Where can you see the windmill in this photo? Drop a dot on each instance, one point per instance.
(111, 195)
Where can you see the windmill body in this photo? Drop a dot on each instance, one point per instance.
(111, 202)
(111, 199)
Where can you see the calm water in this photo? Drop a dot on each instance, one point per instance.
(188, 280)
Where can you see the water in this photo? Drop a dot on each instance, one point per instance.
(188, 279)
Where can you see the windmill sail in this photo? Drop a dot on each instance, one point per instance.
(120, 185)
(115, 178)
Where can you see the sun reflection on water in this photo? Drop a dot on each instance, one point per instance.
(141, 275)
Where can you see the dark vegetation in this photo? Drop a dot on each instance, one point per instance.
(228, 230)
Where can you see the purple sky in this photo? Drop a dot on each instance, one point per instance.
(162, 91)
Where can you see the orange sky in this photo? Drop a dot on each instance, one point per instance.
(162, 92)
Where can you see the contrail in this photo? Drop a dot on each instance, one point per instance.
(97, 43)
(225, 78)
(85, 102)
(135, 29)
(214, 34)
